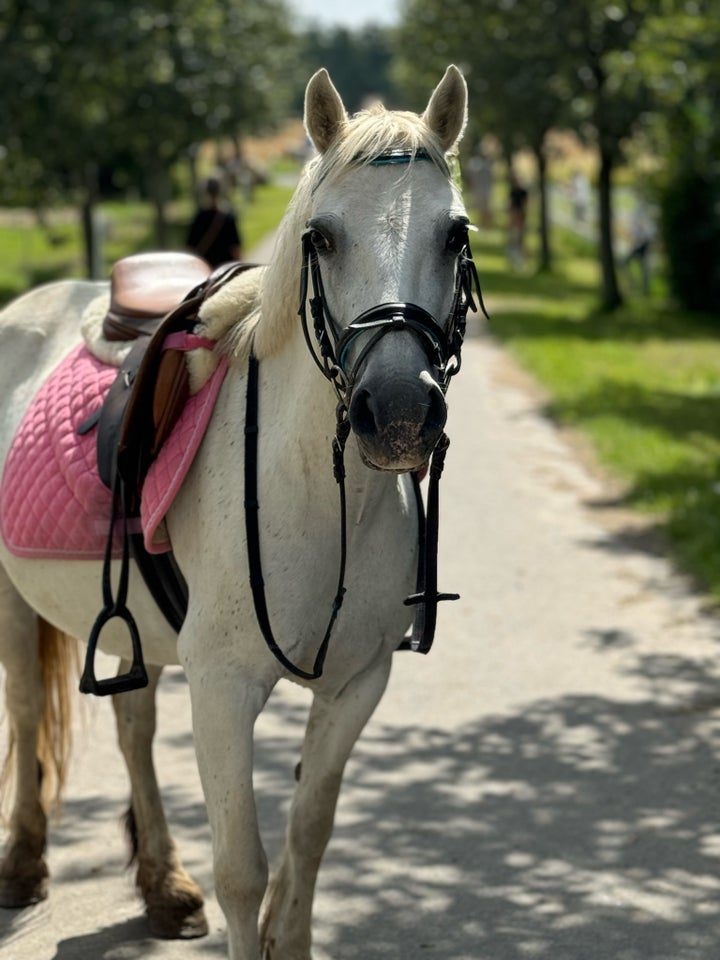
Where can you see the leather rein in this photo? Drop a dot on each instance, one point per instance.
(443, 344)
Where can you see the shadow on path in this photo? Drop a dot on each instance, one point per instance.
(581, 828)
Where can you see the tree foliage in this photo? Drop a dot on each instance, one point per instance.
(682, 66)
(533, 64)
(113, 81)
(358, 62)
(129, 85)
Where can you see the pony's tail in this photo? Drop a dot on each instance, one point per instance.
(60, 668)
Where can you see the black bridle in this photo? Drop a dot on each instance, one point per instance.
(443, 343)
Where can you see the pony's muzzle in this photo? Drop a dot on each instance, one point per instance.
(397, 425)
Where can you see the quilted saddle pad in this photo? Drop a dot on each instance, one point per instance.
(53, 503)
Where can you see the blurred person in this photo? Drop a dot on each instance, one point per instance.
(480, 181)
(642, 233)
(517, 216)
(213, 232)
(580, 194)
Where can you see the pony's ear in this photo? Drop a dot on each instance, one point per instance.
(446, 112)
(324, 111)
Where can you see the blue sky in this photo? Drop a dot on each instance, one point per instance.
(347, 13)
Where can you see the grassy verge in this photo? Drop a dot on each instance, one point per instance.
(643, 384)
(31, 254)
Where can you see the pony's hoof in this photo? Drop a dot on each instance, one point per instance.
(178, 922)
(16, 893)
(174, 906)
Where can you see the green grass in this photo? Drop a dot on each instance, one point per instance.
(643, 384)
(262, 216)
(31, 254)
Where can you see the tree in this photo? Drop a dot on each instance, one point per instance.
(357, 60)
(512, 68)
(609, 100)
(533, 64)
(682, 66)
(108, 81)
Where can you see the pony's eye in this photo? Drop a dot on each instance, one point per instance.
(457, 238)
(319, 240)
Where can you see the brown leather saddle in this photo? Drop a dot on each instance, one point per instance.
(152, 296)
(145, 287)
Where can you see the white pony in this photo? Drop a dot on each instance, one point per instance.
(384, 233)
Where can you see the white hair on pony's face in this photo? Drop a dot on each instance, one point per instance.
(365, 136)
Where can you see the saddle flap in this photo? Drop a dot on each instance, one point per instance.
(144, 402)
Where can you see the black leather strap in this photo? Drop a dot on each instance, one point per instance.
(252, 529)
(427, 597)
(115, 607)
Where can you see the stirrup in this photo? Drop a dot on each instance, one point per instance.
(136, 678)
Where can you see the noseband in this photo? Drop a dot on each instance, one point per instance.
(443, 345)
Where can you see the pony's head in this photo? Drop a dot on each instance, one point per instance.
(381, 230)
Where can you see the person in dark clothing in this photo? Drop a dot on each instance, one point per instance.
(213, 233)
(517, 214)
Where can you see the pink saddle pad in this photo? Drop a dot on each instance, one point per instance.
(52, 501)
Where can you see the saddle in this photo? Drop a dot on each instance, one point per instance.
(146, 287)
(154, 302)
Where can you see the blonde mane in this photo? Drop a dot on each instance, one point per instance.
(270, 311)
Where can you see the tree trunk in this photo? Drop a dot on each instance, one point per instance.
(611, 296)
(88, 219)
(545, 259)
(192, 157)
(161, 224)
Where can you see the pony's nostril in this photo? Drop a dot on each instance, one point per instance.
(437, 413)
(361, 415)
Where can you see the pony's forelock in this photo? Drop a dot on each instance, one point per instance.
(375, 131)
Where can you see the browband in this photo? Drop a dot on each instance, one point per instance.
(399, 155)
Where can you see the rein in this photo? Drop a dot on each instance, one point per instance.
(252, 528)
(443, 344)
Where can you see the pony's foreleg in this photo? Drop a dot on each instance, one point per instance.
(332, 730)
(225, 706)
(173, 900)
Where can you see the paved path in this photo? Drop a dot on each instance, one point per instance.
(543, 786)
